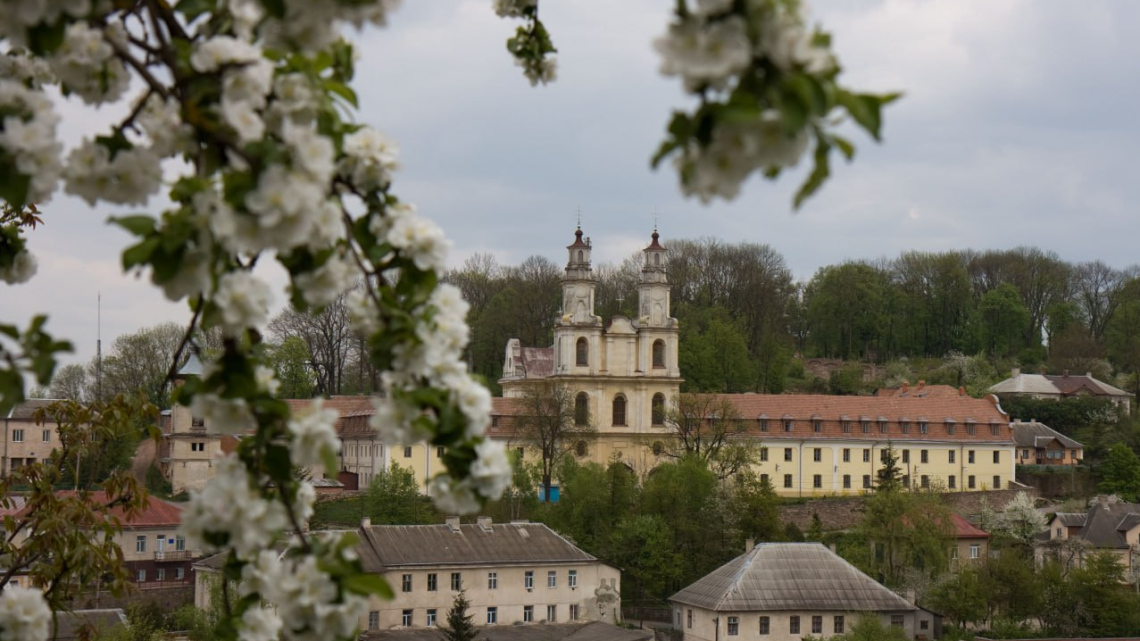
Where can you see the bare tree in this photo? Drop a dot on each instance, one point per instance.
(328, 336)
(710, 427)
(548, 423)
(1097, 290)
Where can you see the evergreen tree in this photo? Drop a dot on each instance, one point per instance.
(460, 625)
(889, 477)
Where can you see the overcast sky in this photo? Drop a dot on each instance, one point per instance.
(1017, 128)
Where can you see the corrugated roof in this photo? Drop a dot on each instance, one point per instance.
(393, 546)
(1070, 384)
(1030, 433)
(790, 576)
(538, 361)
(1072, 519)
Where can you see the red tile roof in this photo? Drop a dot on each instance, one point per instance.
(963, 529)
(157, 513)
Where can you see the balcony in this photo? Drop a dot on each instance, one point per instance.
(174, 555)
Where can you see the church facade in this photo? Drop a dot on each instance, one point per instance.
(623, 375)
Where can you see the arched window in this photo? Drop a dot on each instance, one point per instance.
(659, 353)
(619, 410)
(582, 409)
(656, 259)
(581, 449)
(579, 255)
(583, 352)
(658, 409)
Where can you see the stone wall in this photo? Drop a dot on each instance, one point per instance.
(170, 598)
(845, 513)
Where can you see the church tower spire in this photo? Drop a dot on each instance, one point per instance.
(653, 289)
(579, 283)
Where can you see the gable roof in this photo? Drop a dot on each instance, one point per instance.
(156, 513)
(1024, 384)
(1036, 434)
(790, 576)
(384, 547)
(25, 410)
(1107, 522)
(963, 529)
(1070, 384)
(1054, 384)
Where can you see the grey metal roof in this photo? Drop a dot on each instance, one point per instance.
(24, 410)
(593, 631)
(68, 625)
(192, 366)
(790, 576)
(1107, 523)
(1072, 519)
(1037, 434)
(1025, 384)
(392, 546)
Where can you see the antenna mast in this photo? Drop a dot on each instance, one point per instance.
(99, 347)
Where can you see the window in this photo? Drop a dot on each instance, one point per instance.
(140, 576)
(970, 457)
(140, 543)
(906, 480)
(904, 426)
(838, 624)
(552, 579)
(846, 426)
(179, 574)
(492, 615)
(817, 426)
(572, 579)
(794, 624)
(975, 550)
(847, 481)
(657, 409)
(374, 620)
(765, 625)
(789, 425)
(866, 481)
(433, 582)
(995, 429)
(953, 482)
(581, 448)
(581, 409)
(573, 611)
(896, 620)
(949, 427)
(733, 626)
(906, 456)
(659, 353)
(787, 453)
(817, 624)
(619, 410)
(970, 482)
(924, 625)
(406, 619)
(846, 455)
(406, 583)
(817, 454)
(528, 580)
(689, 619)
(456, 581)
(582, 352)
(17, 436)
(439, 452)
(492, 580)
(47, 436)
(883, 427)
(763, 424)
(788, 480)
(997, 457)
(925, 482)
(924, 456)
(160, 574)
(997, 482)
(970, 429)
(923, 426)
(884, 455)
(551, 613)
(952, 456)
(817, 481)
(763, 454)
(764, 479)
(431, 618)
(865, 426)
(408, 451)
(1024, 453)
(528, 614)
(866, 456)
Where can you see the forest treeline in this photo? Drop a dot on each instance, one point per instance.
(743, 316)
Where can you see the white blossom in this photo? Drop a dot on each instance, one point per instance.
(369, 159)
(311, 152)
(130, 178)
(293, 93)
(244, 120)
(325, 283)
(229, 506)
(451, 496)
(224, 415)
(266, 379)
(789, 45)
(513, 8)
(259, 624)
(86, 64)
(419, 238)
(363, 316)
(314, 434)
(22, 15)
(210, 54)
(243, 301)
(27, 133)
(542, 71)
(712, 7)
(393, 421)
(162, 122)
(21, 270)
(283, 203)
(24, 614)
(491, 472)
(705, 53)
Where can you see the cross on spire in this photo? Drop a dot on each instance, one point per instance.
(579, 217)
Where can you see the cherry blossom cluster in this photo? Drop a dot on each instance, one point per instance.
(531, 46)
(767, 86)
(24, 615)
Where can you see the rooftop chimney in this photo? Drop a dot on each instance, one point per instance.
(484, 523)
(365, 522)
(962, 390)
(453, 523)
(1015, 373)
(921, 384)
(749, 544)
(906, 387)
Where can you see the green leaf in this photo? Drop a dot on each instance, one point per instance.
(46, 38)
(140, 254)
(138, 225)
(866, 108)
(344, 91)
(844, 145)
(191, 9)
(818, 175)
(14, 186)
(369, 584)
(809, 93)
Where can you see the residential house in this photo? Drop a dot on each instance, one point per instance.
(1039, 444)
(513, 573)
(591, 631)
(188, 449)
(784, 591)
(1109, 525)
(25, 441)
(1061, 386)
(623, 374)
(971, 543)
(362, 455)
